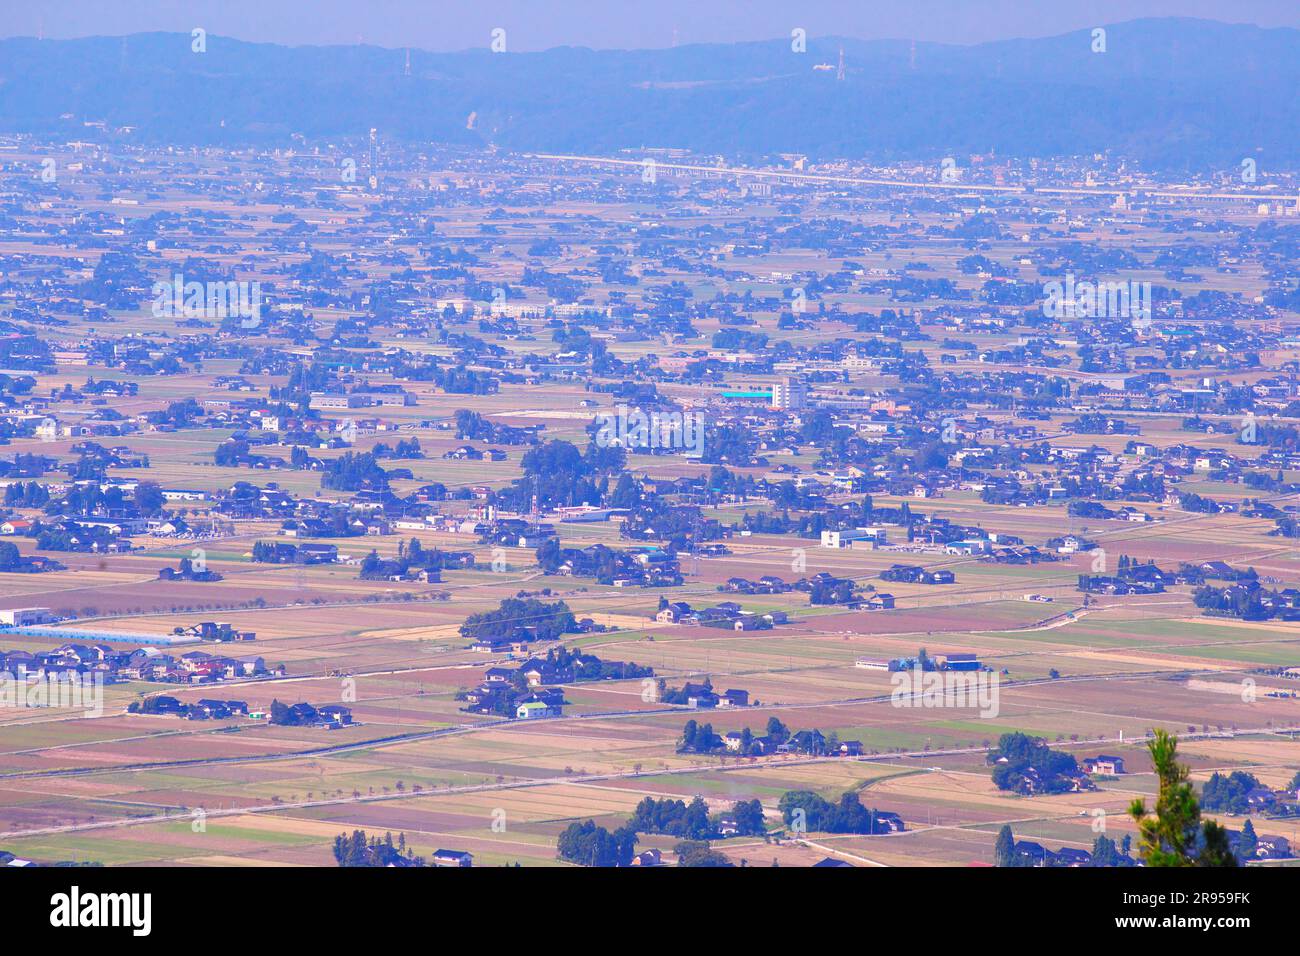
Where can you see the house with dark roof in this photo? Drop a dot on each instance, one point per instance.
(1072, 856)
(335, 714)
(452, 858)
(674, 613)
(1104, 764)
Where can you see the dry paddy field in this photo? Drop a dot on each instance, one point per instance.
(122, 788)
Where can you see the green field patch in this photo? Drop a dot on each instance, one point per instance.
(221, 831)
(1270, 654)
(984, 729)
(88, 848)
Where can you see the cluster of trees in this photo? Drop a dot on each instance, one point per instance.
(600, 562)
(676, 525)
(674, 818)
(360, 850)
(180, 414)
(1096, 423)
(10, 558)
(299, 458)
(474, 426)
(231, 454)
(562, 666)
(558, 474)
(699, 739)
(31, 494)
(812, 742)
(692, 821)
(1226, 793)
(577, 666)
(698, 853)
(1199, 574)
(504, 699)
(278, 552)
(267, 552)
(404, 449)
(737, 339)
(521, 619)
(1031, 766)
(590, 845)
(835, 591)
(846, 816)
(75, 538)
(457, 380)
(147, 499)
(1189, 501)
(410, 557)
(1105, 852)
(1246, 601)
(353, 472)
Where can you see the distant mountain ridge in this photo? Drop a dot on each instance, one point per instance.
(1175, 93)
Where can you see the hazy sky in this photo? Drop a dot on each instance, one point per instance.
(540, 24)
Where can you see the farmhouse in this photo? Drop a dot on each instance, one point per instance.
(858, 537)
(452, 858)
(535, 709)
(25, 616)
(335, 714)
(961, 662)
(674, 613)
(1103, 764)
